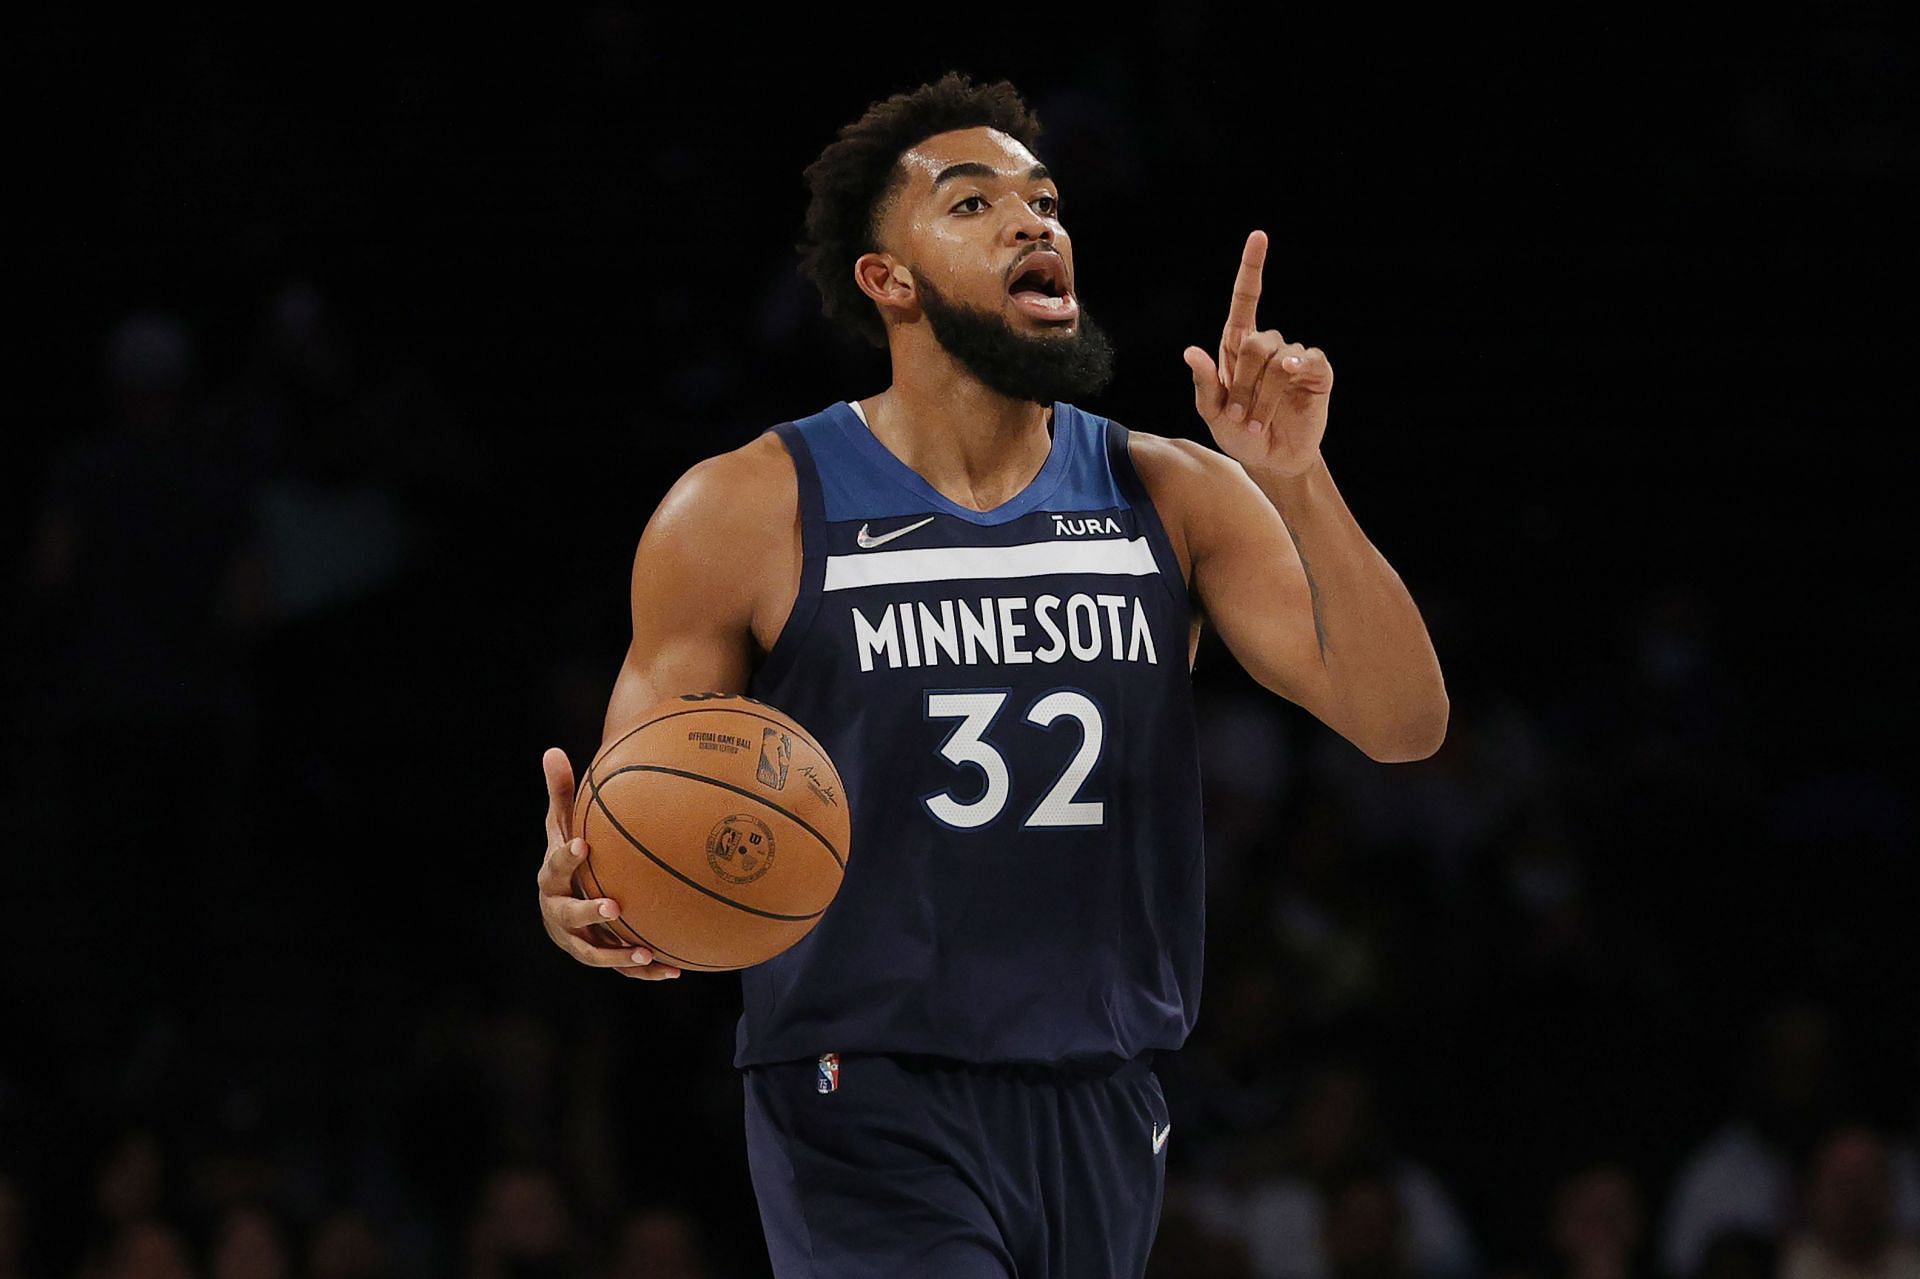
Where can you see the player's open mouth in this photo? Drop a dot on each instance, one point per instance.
(1040, 289)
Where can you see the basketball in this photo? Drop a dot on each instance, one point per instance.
(721, 828)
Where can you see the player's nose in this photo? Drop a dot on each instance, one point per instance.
(1024, 224)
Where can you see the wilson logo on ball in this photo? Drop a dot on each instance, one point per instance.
(740, 848)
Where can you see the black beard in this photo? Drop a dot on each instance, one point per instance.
(1068, 366)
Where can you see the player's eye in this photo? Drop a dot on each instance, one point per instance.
(1051, 210)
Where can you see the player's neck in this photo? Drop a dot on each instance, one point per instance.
(974, 446)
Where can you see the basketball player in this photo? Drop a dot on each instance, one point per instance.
(984, 601)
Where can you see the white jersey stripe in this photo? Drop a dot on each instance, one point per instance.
(1027, 559)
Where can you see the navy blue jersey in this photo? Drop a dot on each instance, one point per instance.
(1007, 698)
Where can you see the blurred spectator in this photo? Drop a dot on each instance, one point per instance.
(1364, 1232)
(331, 519)
(130, 1181)
(1338, 1135)
(1553, 925)
(1847, 1228)
(658, 1243)
(1740, 1179)
(1187, 1247)
(523, 1229)
(237, 1168)
(1599, 1225)
(250, 1243)
(147, 1250)
(134, 1198)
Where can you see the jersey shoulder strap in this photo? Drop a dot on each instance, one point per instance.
(813, 560)
(1133, 493)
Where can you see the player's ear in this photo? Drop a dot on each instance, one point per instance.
(882, 279)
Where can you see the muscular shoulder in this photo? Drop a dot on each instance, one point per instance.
(728, 531)
(730, 506)
(746, 488)
(1172, 463)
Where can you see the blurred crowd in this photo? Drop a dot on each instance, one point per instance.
(1782, 1189)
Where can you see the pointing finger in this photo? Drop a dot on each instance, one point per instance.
(1246, 292)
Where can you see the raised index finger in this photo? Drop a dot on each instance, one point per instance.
(1246, 290)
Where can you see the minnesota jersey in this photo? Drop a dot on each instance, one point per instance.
(1007, 698)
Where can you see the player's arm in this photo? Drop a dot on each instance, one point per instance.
(694, 585)
(1336, 632)
(700, 572)
(1305, 602)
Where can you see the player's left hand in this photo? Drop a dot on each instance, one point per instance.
(1279, 388)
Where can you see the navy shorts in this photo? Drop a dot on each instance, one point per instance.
(926, 1166)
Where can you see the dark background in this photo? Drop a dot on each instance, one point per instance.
(356, 354)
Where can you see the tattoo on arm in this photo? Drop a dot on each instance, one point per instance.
(1313, 590)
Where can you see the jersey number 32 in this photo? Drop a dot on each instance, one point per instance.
(976, 710)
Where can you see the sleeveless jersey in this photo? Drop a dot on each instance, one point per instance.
(1007, 698)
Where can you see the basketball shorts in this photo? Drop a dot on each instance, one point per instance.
(891, 1167)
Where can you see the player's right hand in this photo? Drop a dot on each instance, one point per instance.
(567, 917)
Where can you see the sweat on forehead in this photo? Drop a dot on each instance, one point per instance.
(982, 145)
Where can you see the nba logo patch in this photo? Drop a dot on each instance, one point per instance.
(828, 1076)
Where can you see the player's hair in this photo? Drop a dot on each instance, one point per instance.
(854, 180)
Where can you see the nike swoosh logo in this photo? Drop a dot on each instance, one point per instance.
(1160, 1137)
(868, 543)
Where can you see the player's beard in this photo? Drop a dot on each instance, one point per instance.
(1042, 367)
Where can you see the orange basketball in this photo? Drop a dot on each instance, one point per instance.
(721, 828)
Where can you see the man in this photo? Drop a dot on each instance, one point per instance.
(984, 601)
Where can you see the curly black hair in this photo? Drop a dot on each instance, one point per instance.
(853, 180)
